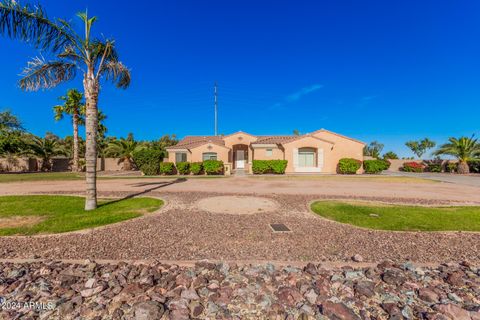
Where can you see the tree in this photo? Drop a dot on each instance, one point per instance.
(373, 149)
(161, 144)
(463, 148)
(72, 105)
(10, 122)
(296, 132)
(390, 155)
(420, 147)
(45, 149)
(124, 150)
(94, 58)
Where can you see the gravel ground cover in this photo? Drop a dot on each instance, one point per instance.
(59, 290)
(181, 231)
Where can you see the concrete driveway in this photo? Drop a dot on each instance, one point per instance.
(468, 180)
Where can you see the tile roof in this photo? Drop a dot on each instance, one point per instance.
(274, 139)
(190, 142)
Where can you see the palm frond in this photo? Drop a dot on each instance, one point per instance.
(46, 74)
(116, 72)
(31, 23)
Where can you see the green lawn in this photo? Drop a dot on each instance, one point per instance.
(39, 214)
(400, 218)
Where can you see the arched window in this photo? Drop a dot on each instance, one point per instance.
(209, 156)
(306, 157)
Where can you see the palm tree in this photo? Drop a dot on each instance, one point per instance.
(45, 149)
(74, 106)
(464, 149)
(94, 58)
(124, 150)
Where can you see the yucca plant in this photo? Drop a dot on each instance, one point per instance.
(73, 52)
(463, 148)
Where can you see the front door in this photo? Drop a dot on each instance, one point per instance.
(240, 159)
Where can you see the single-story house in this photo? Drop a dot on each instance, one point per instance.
(316, 152)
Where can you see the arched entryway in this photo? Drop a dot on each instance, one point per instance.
(240, 156)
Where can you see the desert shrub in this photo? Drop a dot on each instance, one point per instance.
(349, 165)
(148, 161)
(474, 166)
(196, 167)
(183, 167)
(167, 168)
(269, 166)
(452, 166)
(213, 166)
(413, 167)
(375, 166)
(433, 165)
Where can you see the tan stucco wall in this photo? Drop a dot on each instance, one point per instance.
(238, 138)
(171, 156)
(343, 148)
(197, 153)
(261, 154)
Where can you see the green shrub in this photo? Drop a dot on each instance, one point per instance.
(167, 168)
(452, 166)
(413, 167)
(213, 166)
(269, 166)
(348, 166)
(375, 166)
(148, 161)
(196, 167)
(183, 167)
(433, 165)
(474, 166)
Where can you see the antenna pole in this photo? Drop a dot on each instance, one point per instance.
(216, 108)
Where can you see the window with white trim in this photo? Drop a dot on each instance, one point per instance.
(306, 157)
(268, 152)
(180, 157)
(209, 156)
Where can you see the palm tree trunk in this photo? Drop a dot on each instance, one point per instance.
(91, 88)
(462, 167)
(76, 160)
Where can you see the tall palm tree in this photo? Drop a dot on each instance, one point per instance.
(72, 105)
(94, 58)
(464, 149)
(45, 149)
(124, 150)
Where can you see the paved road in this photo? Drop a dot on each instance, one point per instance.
(469, 180)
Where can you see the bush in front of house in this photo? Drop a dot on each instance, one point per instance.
(348, 166)
(196, 167)
(474, 166)
(413, 167)
(213, 167)
(375, 166)
(167, 168)
(269, 166)
(148, 161)
(183, 167)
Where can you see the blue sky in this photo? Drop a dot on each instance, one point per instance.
(373, 70)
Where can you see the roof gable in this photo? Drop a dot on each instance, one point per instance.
(338, 135)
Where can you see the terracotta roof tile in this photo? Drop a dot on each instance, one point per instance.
(190, 142)
(274, 139)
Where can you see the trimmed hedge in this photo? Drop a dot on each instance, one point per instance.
(213, 167)
(148, 161)
(196, 167)
(269, 166)
(474, 166)
(375, 166)
(433, 165)
(183, 167)
(167, 168)
(348, 165)
(413, 167)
